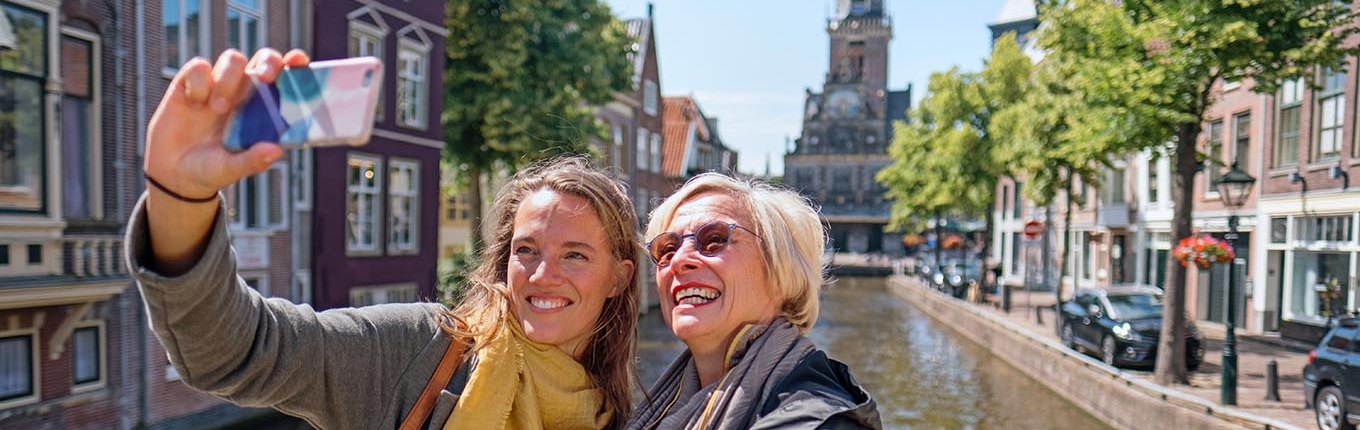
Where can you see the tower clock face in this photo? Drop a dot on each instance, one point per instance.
(844, 104)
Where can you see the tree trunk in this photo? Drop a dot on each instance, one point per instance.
(1171, 347)
(1066, 250)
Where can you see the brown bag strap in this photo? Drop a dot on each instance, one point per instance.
(425, 404)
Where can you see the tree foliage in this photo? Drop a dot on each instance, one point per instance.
(1145, 69)
(520, 80)
(944, 156)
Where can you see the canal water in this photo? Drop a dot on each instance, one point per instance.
(922, 375)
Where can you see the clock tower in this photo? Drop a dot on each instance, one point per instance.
(847, 128)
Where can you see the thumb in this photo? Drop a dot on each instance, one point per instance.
(253, 161)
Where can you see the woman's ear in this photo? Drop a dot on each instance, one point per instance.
(625, 274)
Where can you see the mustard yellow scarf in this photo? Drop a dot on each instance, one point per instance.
(520, 384)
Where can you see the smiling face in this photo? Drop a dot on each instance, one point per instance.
(706, 299)
(561, 270)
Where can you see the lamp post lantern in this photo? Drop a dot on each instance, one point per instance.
(1234, 188)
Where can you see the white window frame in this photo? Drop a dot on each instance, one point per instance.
(261, 279)
(102, 349)
(261, 32)
(372, 215)
(94, 185)
(1332, 96)
(1291, 97)
(270, 189)
(412, 195)
(204, 35)
(651, 97)
(380, 294)
(300, 175)
(616, 150)
(640, 145)
(656, 153)
(413, 75)
(1212, 167)
(35, 373)
(367, 39)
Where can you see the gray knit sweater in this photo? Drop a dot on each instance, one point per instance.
(339, 369)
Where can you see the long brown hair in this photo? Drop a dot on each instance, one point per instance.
(609, 354)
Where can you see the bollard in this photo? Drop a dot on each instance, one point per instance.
(1006, 298)
(1272, 381)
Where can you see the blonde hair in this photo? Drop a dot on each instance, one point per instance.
(793, 237)
(609, 354)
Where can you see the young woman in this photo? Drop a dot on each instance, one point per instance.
(550, 315)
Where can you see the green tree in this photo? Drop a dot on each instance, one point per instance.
(944, 158)
(520, 82)
(1149, 65)
(1037, 135)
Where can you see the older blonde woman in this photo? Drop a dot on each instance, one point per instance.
(738, 272)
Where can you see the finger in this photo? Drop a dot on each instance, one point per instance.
(192, 82)
(296, 58)
(254, 160)
(265, 65)
(229, 81)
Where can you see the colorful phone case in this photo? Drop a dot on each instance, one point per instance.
(328, 103)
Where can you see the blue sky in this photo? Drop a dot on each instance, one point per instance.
(747, 62)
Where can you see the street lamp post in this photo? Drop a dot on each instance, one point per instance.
(1234, 188)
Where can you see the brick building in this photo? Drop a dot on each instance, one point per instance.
(374, 210)
(81, 80)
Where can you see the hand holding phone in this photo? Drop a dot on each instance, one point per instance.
(327, 103)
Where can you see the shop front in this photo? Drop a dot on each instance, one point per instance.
(1313, 261)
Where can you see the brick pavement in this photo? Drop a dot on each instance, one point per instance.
(1253, 353)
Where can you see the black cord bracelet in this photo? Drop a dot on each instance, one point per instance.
(178, 196)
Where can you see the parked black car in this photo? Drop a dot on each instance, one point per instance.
(1331, 379)
(1121, 325)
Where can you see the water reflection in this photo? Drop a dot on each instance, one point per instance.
(922, 375)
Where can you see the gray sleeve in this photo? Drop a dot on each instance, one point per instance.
(338, 369)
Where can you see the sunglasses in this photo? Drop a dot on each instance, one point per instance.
(709, 239)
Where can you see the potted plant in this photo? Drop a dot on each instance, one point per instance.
(1202, 250)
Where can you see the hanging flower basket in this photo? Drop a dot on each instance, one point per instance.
(1202, 250)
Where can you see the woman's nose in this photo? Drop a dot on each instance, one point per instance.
(547, 271)
(686, 256)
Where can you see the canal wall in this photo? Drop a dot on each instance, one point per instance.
(1121, 400)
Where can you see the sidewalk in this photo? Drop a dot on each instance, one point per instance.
(1253, 354)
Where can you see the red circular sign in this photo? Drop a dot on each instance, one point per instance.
(1033, 229)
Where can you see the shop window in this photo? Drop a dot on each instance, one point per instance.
(1279, 232)
(1324, 228)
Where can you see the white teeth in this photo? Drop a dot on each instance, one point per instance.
(548, 303)
(695, 296)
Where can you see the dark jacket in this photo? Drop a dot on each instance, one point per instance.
(819, 394)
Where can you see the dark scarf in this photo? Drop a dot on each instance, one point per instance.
(758, 359)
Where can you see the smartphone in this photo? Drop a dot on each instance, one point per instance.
(328, 102)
